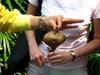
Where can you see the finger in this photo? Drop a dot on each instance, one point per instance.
(55, 52)
(55, 57)
(67, 27)
(57, 61)
(53, 24)
(42, 60)
(32, 58)
(46, 60)
(38, 61)
(70, 20)
(50, 54)
(59, 21)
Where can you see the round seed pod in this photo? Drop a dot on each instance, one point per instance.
(54, 39)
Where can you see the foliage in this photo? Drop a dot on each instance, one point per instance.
(94, 58)
(7, 41)
(94, 64)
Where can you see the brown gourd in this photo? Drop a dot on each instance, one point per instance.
(54, 39)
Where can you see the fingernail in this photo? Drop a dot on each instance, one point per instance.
(56, 29)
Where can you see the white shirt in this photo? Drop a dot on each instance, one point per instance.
(97, 11)
(81, 9)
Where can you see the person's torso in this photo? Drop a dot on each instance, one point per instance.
(76, 37)
(80, 9)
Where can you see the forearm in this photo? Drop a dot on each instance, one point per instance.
(30, 35)
(26, 22)
(88, 48)
(12, 21)
(22, 23)
(92, 45)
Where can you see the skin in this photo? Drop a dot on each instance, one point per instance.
(33, 21)
(60, 57)
(36, 54)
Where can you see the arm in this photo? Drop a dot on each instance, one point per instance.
(60, 57)
(13, 21)
(34, 51)
(8, 20)
(95, 43)
(92, 45)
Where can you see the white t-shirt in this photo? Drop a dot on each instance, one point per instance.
(77, 37)
(97, 12)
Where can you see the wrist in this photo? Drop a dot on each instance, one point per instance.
(73, 54)
(43, 22)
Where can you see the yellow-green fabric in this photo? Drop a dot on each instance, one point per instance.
(12, 21)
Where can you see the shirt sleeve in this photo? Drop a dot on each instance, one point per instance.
(12, 21)
(33, 2)
(97, 12)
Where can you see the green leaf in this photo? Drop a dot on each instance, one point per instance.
(5, 53)
(8, 47)
(22, 8)
(1, 47)
(8, 2)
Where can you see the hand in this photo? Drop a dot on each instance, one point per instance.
(36, 56)
(54, 21)
(59, 57)
(59, 21)
(69, 21)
